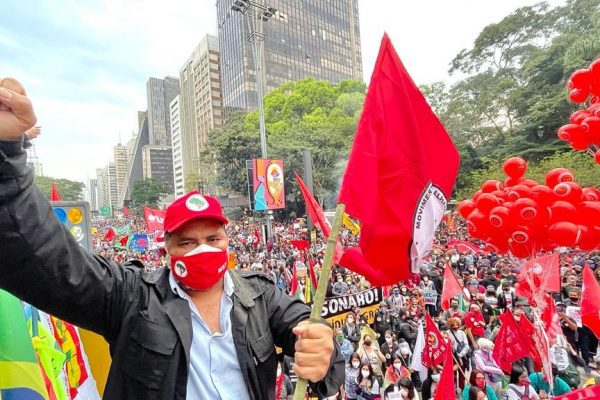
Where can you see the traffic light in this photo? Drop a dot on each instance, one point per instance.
(75, 216)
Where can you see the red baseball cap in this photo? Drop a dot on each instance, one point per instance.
(192, 206)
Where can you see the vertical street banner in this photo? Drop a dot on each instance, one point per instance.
(268, 184)
(336, 308)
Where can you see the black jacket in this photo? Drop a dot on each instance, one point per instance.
(147, 326)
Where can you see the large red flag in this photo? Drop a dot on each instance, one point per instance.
(540, 275)
(435, 344)
(509, 344)
(315, 212)
(590, 392)
(154, 220)
(590, 301)
(110, 234)
(54, 195)
(550, 319)
(451, 287)
(400, 173)
(445, 388)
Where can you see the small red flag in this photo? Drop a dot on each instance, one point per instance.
(256, 240)
(301, 245)
(509, 344)
(154, 220)
(311, 270)
(126, 212)
(540, 275)
(445, 388)
(435, 344)
(590, 301)
(451, 287)
(54, 195)
(110, 234)
(400, 173)
(315, 212)
(294, 287)
(124, 241)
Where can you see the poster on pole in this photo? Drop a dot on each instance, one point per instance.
(268, 184)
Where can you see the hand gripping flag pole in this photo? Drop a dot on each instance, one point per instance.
(319, 299)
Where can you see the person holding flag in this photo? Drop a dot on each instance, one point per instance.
(172, 332)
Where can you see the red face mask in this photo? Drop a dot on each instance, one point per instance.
(201, 268)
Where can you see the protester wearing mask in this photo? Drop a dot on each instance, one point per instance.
(389, 346)
(519, 387)
(394, 372)
(484, 361)
(477, 379)
(404, 389)
(345, 346)
(368, 384)
(340, 287)
(583, 332)
(475, 323)
(453, 312)
(370, 352)
(540, 383)
(352, 376)
(188, 304)
(351, 330)
(506, 298)
(283, 386)
(382, 324)
(460, 347)
(490, 297)
(486, 310)
(431, 382)
(408, 328)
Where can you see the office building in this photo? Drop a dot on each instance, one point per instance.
(317, 38)
(157, 163)
(135, 168)
(121, 158)
(176, 147)
(93, 194)
(160, 93)
(201, 105)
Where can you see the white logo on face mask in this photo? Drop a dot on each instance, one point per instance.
(180, 269)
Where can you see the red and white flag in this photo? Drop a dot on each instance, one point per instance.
(435, 344)
(590, 301)
(538, 276)
(400, 173)
(154, 219)
(509, 344)
(451, 287)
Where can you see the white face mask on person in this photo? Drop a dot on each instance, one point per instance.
(398, 366)
(364, 373)
(355, 364)
(435, 377)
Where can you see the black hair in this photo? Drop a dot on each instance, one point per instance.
(515, 373)
(473, 392)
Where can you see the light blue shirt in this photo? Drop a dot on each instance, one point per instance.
(214, 370)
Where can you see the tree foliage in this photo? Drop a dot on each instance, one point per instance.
(308, 114)
(68, 190)
(512, 99)
(149, 192)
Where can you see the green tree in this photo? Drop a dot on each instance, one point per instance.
(149, 192)
(68, 190)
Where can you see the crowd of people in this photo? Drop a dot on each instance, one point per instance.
(379, 358)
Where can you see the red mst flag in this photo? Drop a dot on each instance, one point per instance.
(400, 173)
(54, 195)
(550, 319)
(154, 219)
(315, 212)
(590, 301)
(435, 344)
(451, 287)
(509, 344)
(445, 388)
(110, 234)
(540, 275)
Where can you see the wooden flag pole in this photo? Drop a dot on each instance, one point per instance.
(319, 299)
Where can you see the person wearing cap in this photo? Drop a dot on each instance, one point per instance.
(195, 330)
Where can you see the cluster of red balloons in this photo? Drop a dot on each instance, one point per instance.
(583, 131)
(524, 217)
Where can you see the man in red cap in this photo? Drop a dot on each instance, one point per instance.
(195, 330)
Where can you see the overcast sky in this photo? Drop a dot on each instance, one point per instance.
(85, 63)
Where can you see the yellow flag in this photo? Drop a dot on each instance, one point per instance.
(350, 225)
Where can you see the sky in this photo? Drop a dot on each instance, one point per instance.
(85, 63)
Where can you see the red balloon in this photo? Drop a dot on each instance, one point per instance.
(589, 212)
(589, 238)
(543, 195)
(529, 182)
(466, 207)
(517, 192)
(580, 79)
(568, 191)
(526, 209)
(597, 157)
(499, 194)
(486, 201)
(579, 95)
(595, 69)
(476, 195)
(520, 250)
(500, 218)
(510, 182)
(563, 233)
(558, 175)
(515, 167)
(577, 117)
(562, 211)
(571, 132)
(521, 234)
(594, 109)
(591, 194)
(591, 129)
(491, 185)
(478, 225)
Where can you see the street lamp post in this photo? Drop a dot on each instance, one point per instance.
(257, 13)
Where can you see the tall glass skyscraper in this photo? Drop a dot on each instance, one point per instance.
(316, 38)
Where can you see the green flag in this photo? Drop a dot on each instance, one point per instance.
(122, 231)
(20, 374)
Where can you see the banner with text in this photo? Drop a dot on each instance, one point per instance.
(335, 309)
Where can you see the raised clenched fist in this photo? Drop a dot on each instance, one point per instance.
(16, 111)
